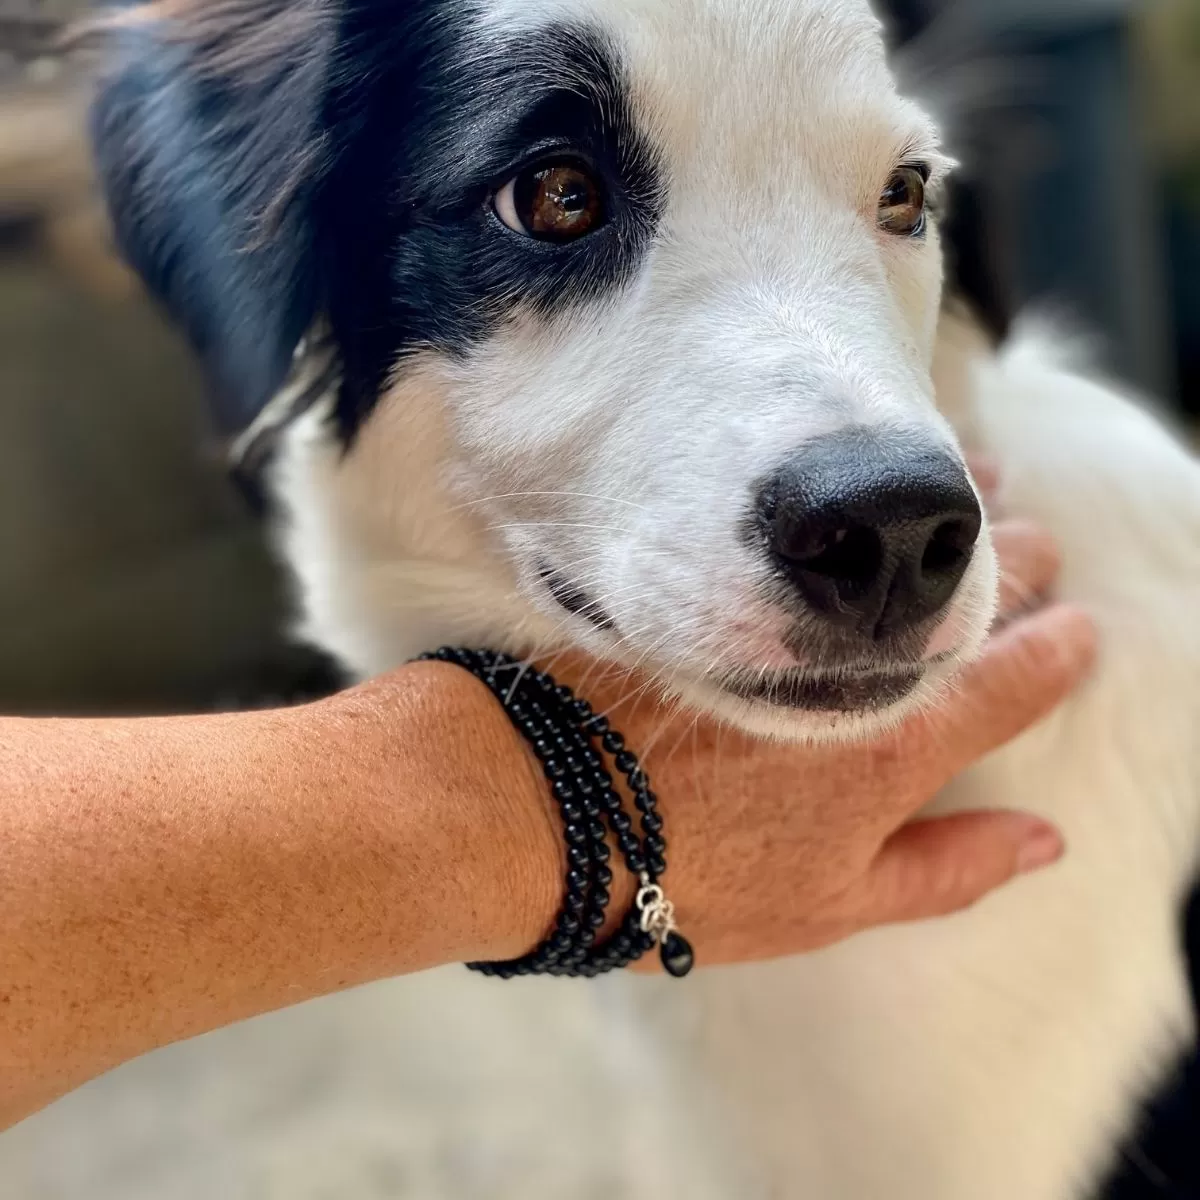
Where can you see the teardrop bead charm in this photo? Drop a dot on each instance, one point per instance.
(677, 955)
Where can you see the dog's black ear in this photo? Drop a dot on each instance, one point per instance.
(208, 136)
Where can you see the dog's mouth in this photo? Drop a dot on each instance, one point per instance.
(574, 599)
(843, 691)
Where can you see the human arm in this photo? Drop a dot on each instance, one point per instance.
(161, 878)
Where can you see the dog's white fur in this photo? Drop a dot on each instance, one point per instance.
(997, 1054)
(623, 444)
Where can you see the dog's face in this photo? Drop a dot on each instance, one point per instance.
(667, 269)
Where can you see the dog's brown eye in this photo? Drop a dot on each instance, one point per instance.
(902, 205)
(553, 202)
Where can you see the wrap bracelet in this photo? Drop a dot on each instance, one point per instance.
(571, 742)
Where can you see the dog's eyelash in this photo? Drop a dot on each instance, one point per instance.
(935, 199)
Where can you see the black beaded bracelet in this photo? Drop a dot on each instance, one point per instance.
(570, 741)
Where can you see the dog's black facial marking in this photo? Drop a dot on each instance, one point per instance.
(269, 162)
(576, 601)
(207, 132)
(446, 128)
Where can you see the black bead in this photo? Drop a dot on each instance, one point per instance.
(656, 865)
(564, 731)
(677, 955)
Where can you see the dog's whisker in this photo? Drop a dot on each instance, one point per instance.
(483, 500)
(557, 525)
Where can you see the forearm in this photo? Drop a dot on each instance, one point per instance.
(162, 878)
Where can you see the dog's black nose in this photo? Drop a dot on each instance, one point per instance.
(875, 532)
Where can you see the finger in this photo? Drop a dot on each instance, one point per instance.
(1026, 671)
(986, 475)
(933, 868)
(1030, 561)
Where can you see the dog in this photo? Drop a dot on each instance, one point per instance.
(619, 325)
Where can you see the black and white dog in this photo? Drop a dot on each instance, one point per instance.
(619, 324)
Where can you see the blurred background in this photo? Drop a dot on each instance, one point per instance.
(134, 577)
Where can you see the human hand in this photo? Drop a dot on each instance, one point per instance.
(780, 849)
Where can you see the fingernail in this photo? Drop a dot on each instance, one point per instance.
(1043, 847)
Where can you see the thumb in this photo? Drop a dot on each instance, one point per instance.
(1027, 670)
(936, 867)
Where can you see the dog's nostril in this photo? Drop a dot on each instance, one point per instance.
(950, 547)
(851, 556)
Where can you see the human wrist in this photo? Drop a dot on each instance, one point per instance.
(444, 767)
